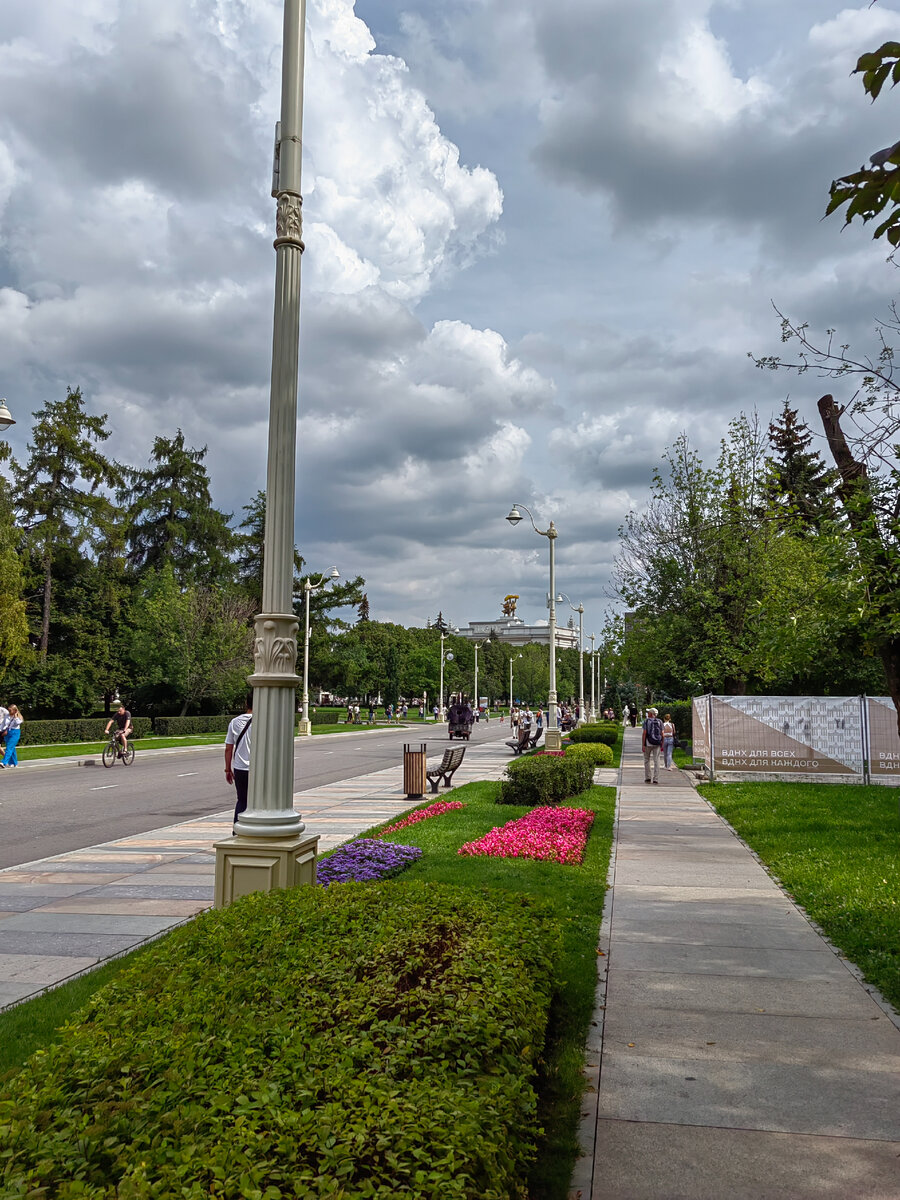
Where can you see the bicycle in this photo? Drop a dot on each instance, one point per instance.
(111, 750)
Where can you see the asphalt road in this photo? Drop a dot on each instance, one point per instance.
(51, 809)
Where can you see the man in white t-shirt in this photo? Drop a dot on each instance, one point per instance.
(237, 755)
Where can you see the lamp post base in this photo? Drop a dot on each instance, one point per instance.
(250, 864)
(304, 729)
(553, 740)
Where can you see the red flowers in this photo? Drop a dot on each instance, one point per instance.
(552, 834)
(422, 814)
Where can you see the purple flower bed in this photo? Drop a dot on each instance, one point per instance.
(365, 860)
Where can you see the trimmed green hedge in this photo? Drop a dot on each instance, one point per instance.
(186, 726)
(598, 754)
(358, 1041)
(544, 779)
(607, 734)
(84, 729)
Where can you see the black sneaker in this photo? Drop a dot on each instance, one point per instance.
(656, 781)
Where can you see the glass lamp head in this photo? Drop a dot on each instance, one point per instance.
(6, 417)
(514, 516)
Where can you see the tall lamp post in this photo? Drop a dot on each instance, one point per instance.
(514, 657)
(580, 610)
(6, 417)
(270, 849)
(305, 729)
(478, 646)
(445, 629)
(552, 737)
(593, 694)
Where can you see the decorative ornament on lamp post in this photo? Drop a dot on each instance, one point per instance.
(269, 850)
(552, 737)
(305, 729)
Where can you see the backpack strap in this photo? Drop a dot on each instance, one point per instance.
(241, 735)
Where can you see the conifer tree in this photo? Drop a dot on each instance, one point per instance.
(172, 519)
(799, 481)
(57, 488)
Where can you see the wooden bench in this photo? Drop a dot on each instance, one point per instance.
(450, 763)
(527, 740)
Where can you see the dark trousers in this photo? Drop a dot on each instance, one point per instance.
(241, 783)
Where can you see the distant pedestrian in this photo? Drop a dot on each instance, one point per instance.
(651, 744)
(371, 713)
(633, 716)
(389, 713)
(436, 712)
(13, 722)
(355, 714)
(668, 742)
(421, 712)
(237, 755)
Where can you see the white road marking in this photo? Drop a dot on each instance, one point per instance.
(105, 787)
(186, 773)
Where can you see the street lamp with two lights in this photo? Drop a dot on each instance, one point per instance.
(552, 737)
(305, 729)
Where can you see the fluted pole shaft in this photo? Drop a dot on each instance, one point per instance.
(270, 809)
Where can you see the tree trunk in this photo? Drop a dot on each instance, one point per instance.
(856, 497)
(890, 656)
(45, 617)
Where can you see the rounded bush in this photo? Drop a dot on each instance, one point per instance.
(607, 734)
(598, 754)
(545, 779)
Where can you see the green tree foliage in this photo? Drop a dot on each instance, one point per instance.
(13, 620)
(799, 483)
(190, 643)
(171, 518)
(57, 490)
(728, 595)
(871, 190)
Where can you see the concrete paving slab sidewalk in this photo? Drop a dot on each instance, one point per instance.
(63, 915)
(734, 1054)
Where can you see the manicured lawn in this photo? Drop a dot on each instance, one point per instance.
(836, 848)
(576, 893)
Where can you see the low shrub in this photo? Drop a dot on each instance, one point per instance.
(544, 779)
(607, 735)
(75, 729)
(365, 1041)
(598, 754)
(186, 726)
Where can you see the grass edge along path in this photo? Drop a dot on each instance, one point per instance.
(835, 848)
(576, 893)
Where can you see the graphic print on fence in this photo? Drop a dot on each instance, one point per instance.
(884, 742)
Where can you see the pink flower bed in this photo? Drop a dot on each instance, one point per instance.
(552, 834)
(422, 814)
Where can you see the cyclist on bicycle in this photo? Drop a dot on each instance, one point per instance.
(122, 718)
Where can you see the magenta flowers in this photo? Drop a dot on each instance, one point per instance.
(422, 814)
(552, 834)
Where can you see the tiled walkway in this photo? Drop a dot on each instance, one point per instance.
(63, 915)
(737, 1056)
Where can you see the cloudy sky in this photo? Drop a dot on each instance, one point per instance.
(541, 239)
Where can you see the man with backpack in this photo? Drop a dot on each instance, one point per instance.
(651, 744)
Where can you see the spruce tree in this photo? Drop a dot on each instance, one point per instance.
(57, 489)
(799, 481)
(172, 519)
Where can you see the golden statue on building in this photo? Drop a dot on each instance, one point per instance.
(509, 606)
